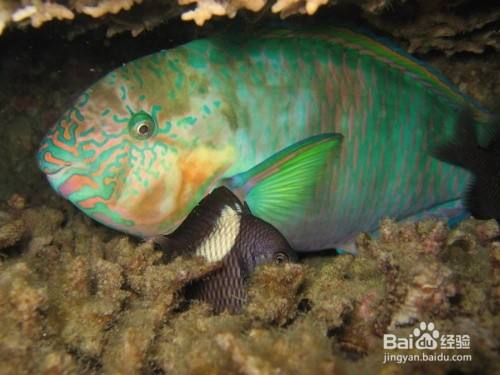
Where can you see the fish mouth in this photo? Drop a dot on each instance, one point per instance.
(49, 164)
(52, 170)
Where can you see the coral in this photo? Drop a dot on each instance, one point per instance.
(38, 12)
(495, 279)
(42, 12)
(74, 285)
(24, 347)
(444, 26)
(463, 30)
(343, 275)
(157, 285)
(186, 344)
(94, 288)
(429, 292)
(273, 293)
(17, 202)
(11, 231)
(473, 74)
(6, 9)
(196, 342)
(80, 298)
(268, 351)
(451, 33)
(289, 7)
(106, 6)
(205, 9)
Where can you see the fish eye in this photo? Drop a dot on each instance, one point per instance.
(280, 257)
(143, 129)
(141, 126)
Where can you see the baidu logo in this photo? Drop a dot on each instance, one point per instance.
(426, 337)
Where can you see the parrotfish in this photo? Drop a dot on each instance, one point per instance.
(321, 132)
(222, 229)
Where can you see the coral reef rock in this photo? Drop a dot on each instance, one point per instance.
(449, 26)
(78, 298)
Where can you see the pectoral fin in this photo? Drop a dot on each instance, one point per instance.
(284, 184)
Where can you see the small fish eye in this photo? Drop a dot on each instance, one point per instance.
(141, 126)
(143, 129)
(280, 258)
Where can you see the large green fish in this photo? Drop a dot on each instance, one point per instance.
(322, 133)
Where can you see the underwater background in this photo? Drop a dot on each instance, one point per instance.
(76, 297)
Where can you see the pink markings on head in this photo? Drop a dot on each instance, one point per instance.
(100, 217)
(148, 159)
(75, 183)
(106, 220)
(91, 202)
(63, 146)
(111, 143)
(48, 157)
(101, 136)
(66, 133)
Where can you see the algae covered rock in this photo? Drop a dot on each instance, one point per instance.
(76, 297)
(273, 294)
(80, 291)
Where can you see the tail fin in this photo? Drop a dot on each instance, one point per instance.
(482, 198)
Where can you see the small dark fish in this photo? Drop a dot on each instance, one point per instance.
(482, 198)
(221, 228)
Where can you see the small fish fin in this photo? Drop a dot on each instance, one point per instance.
(284, 184)
(220, 198)
(175, 246)
(200, 222)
